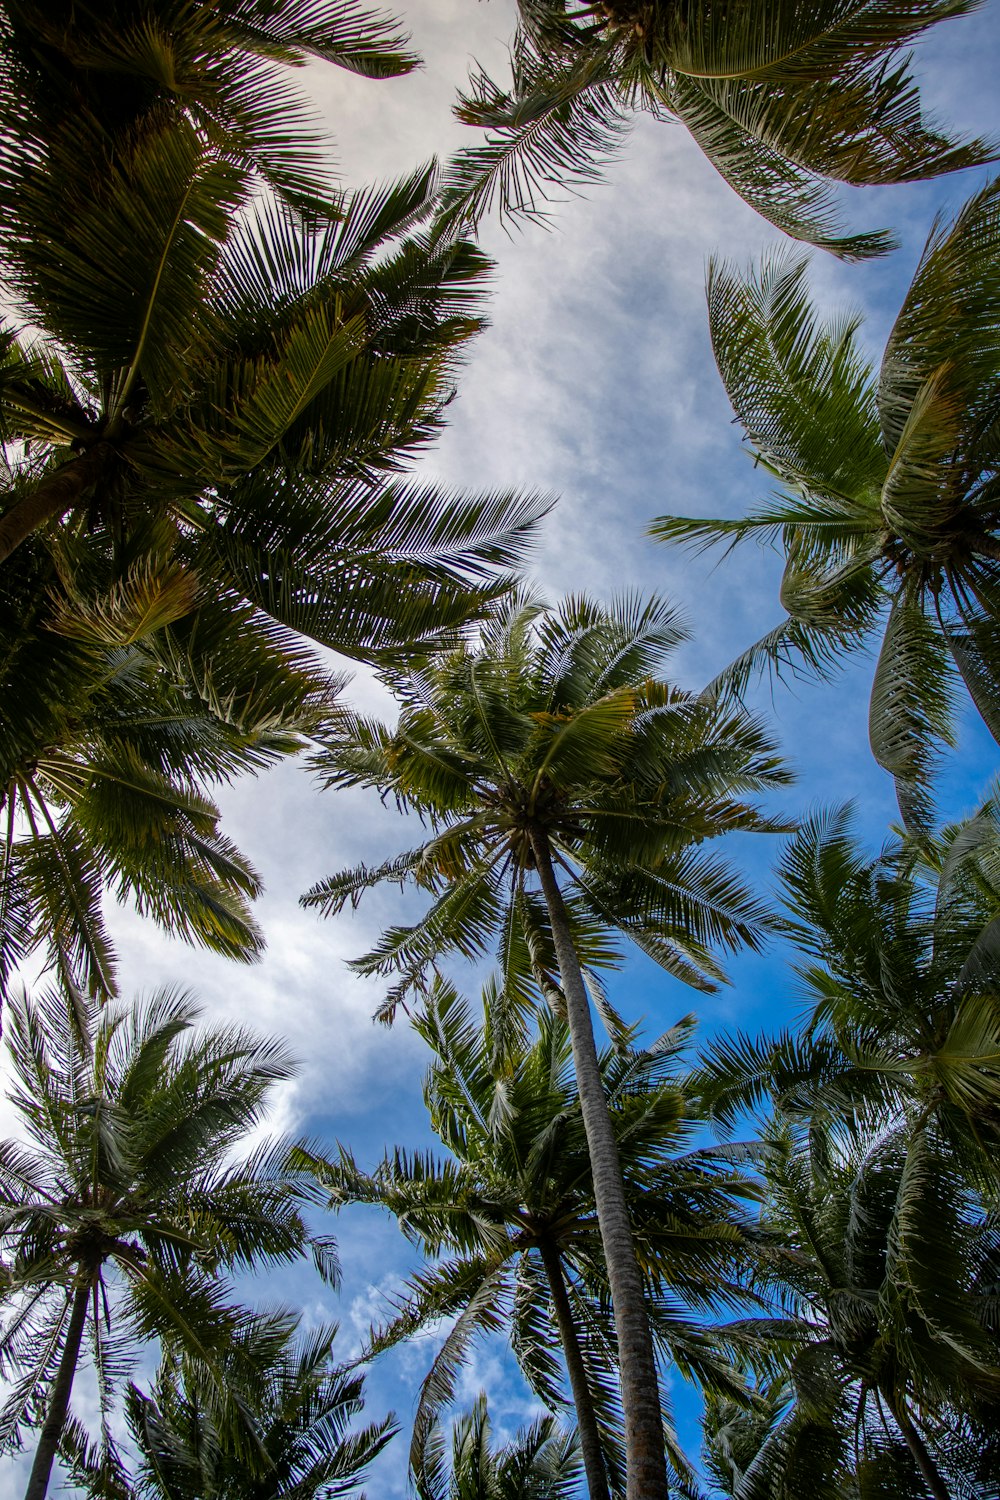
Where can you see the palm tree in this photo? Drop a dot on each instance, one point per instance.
(888, 1280)
(126, 1204)
(250, 379)
(538, 1463)
(890, 484)
(120, 69)
(279, 363)
(781, 98)
(897, 1057)
(511, 1220)
(733, 1435)
(298, 1402)
(251, 375)
(898, 970)
(551, 753)
(126, 700)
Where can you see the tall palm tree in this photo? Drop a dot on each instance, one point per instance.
(537, 1463)
(298, 1402)
(889, 514)
(126, 1205)
(511, 1222)
(898, 970)
(127, 699)
(550, 753)
(888, 1279)
(782, 98)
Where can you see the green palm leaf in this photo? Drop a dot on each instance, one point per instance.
(135, 1180)
(888, 486)
(779, 103)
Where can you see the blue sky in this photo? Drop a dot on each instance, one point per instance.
(595, 383)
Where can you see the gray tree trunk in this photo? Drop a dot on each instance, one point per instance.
(918, 1449)
(586, 1419)
(55, 493)
(645, 1457)
(55, 1416)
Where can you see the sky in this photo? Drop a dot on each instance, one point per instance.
(594, 383)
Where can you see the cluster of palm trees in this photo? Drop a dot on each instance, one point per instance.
(215, 371)
(881, 1172)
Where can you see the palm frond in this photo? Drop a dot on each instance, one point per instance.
(554, 129)
(911, 706)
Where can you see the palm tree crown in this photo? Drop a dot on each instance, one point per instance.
(249, 373)
(552, 746)
(251, 379)
(888, 1278)
(198, 431)
(898, 969)
(890, 496)
(538, 1463)
(555, 724)
(128, 1203)
(298, 1403)
(124, 67)
(127, 701)
(781, 98)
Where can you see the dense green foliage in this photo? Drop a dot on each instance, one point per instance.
(296, 1404)
(881, 1180)
(127, 702)
(126, 1207)
(202, 396)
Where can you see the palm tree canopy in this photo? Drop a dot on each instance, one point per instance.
(555, 721)
(121, 68)
(300, 1404)
(898, 970)
(130, 691)
(135, 1180)
(252, 377)
(250, 373)
(196, 438)
(887, 1283)
(880, 1172)
(517, 1188)
(114, 221)
(888, 512)
(782, 97)
(538, 1463)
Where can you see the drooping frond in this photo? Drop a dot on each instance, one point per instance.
(780, 105)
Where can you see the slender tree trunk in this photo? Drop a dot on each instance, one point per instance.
(586, 1419)
(645, 1458)
(55, 1416)
(918, 1448)
(55, 493)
